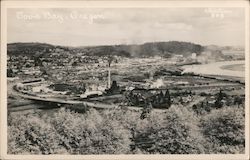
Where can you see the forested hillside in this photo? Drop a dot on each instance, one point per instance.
(165, 49)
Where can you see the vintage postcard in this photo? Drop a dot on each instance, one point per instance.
(125, 80)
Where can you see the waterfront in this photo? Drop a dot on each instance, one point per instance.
(218, 68)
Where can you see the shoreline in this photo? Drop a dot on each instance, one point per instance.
(216, 69)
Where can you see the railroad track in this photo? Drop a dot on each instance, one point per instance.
(98, 105)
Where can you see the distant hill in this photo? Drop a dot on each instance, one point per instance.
(148, 49)
(228, 52)
(28, 48)
(227, 48)
(166, 49)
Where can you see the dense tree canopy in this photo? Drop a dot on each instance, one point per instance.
(121, 131)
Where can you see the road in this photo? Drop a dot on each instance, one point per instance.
(29, 99)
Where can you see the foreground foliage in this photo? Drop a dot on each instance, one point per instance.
(224, 130)
(121, 131)
(67, 132)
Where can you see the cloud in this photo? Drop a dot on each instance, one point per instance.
(97, 26)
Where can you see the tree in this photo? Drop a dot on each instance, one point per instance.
(74, 63)
(31, 134)
(174, 132)
(91, 133)
(218, 103)
(80, 89)
(114, 89)
(146, 110)
(206, 106)
(67, 132)
(201, 109)
(224, 130)
(37, 59)
(161, 98)
(114, 85)
(238, 101)
(10, 73)
(168, 98)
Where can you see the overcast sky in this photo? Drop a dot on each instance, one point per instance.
(82, 27)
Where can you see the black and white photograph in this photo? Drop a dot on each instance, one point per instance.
(126, 80)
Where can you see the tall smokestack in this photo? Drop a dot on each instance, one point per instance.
(109, 78)
(110, 59)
